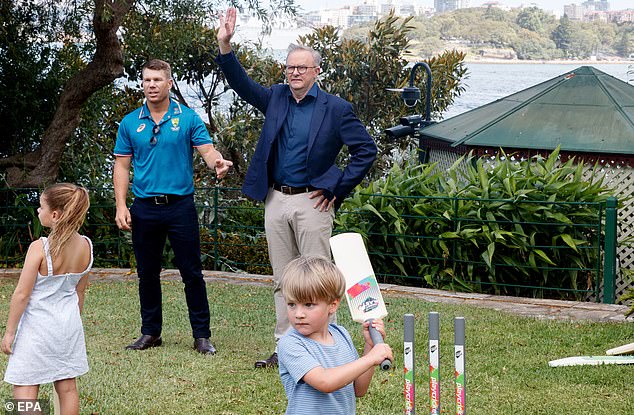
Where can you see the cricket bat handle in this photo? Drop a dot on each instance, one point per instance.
(376, 339)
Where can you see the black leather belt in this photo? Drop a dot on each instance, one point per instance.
(291, 190)
(163, 199)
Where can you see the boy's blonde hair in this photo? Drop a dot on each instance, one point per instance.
(311, 279)
(72, 202)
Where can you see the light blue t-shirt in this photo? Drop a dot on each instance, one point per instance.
(298, 355)
(163, 164)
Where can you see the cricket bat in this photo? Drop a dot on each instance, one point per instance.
(363, 294)
(592, 361)
(625, 349)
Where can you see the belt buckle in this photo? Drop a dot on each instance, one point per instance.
(161, 200)
(286, 189)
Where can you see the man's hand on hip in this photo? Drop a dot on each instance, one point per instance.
(323, 204)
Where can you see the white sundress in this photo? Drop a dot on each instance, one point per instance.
(49, 343)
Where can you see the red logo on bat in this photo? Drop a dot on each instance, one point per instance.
(361, 286)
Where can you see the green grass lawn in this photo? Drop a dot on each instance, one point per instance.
(507, 359)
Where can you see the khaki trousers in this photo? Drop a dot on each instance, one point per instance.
(293, 228)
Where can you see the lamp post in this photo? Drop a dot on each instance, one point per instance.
(412, 124)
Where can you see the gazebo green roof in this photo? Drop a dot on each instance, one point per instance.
(582, 111)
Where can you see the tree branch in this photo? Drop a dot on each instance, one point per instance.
(42, 166)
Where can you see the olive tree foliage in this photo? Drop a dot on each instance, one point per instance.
(363, 82)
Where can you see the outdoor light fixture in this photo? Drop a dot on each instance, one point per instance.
(411, 124)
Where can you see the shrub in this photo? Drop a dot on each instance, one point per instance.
(491, 225)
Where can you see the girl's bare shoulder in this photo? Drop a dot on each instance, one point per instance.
(36, 249)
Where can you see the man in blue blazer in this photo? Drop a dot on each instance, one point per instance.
(293, 168)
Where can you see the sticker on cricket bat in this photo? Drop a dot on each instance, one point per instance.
(363, 294)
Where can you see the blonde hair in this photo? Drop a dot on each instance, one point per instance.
(158, 65)
(72, 202)
(310, 279)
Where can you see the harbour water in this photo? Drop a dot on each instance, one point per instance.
(487, 82)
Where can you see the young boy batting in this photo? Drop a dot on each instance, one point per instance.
(320, 368)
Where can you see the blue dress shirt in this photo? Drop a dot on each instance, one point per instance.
(289, 163)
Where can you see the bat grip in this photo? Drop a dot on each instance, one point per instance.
(377, 339)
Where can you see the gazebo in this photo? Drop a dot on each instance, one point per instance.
(586, 112)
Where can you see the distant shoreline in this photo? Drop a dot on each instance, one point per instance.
(551, 62)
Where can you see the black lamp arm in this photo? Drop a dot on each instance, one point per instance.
(427, 87)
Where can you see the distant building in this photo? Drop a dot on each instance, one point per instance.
(360, 19)
(574, 11)
(443, 6)
(587, 10)
(385, 8)
(364, 9)
(595, 5)
(407, 10)
(311, 19)
(622, 16)
(598, 11)
(596, 16)
(337, 17)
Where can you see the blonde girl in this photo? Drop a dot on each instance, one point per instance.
(44, 336)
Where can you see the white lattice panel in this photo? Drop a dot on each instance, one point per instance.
(620, 176)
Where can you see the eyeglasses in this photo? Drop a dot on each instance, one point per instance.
(154, 138)
(300, 69)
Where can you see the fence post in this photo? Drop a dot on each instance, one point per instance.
(609, 249)
(454, 228)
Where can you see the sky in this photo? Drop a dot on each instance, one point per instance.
(557, 5)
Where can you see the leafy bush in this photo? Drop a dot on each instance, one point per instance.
(20, 226)
(498, 225)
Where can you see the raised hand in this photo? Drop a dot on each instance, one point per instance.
(226, 28)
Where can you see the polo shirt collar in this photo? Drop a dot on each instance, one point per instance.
(174, 108)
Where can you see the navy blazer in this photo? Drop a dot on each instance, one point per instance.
(333, 125)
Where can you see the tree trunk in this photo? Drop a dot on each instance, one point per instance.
(41, 166)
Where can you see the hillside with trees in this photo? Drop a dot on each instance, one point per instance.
(526, 34)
